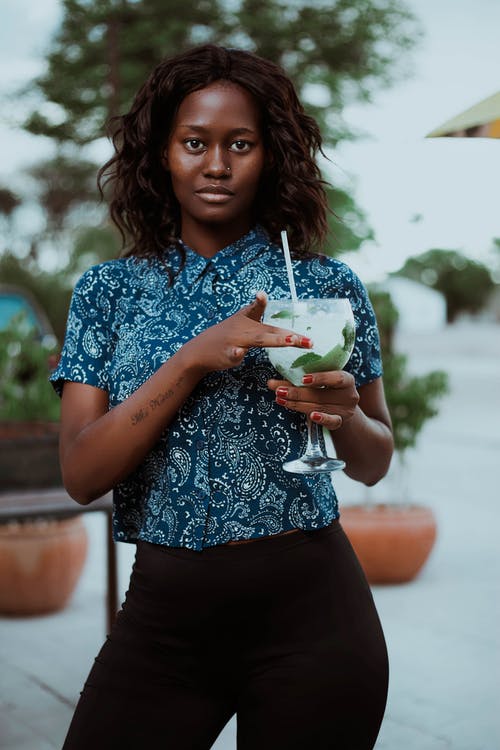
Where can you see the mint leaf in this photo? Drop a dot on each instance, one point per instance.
(349, 335)
(283, 314)
(306, 359)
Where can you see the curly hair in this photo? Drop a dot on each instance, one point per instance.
(291, 194)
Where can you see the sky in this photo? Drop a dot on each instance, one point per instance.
(395, 173)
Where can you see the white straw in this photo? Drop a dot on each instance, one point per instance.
(288, 261)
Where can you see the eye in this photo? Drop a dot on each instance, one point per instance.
(241, 146)
(193, 144)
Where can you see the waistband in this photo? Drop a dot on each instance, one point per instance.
(263, 546)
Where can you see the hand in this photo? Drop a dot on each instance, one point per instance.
(328, 398)
(224, 345)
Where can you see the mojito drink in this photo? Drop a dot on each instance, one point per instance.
(330, 325)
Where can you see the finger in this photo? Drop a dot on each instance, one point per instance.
(255, 309)
(330, 421)
(282, 338)
(329, 379)
(274, 383)
(307, 396)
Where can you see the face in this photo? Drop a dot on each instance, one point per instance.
(215, 156)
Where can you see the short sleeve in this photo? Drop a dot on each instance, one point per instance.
(365, 363)
(85, 356)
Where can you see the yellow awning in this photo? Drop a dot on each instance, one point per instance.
(480, 121)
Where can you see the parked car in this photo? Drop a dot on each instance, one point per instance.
(14, 301)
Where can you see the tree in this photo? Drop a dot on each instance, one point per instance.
(64, 184)
(9, 201)
(105, 48)
(466, 284)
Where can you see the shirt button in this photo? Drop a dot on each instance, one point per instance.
(210, 315)
(200, 444)
(199, 494)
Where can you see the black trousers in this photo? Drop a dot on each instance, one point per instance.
(281, 631)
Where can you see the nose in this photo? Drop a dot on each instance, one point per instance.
(216, 162)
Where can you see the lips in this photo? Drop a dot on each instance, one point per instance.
(214, 190)
(214, 194)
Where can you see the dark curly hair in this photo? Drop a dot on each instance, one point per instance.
(143, 204)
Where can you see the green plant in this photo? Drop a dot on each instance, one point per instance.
(412, 399)
(465, 283)
(24, 369)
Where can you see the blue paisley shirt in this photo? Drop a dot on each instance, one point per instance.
(215, 474)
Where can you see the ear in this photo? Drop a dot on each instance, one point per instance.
(164, 160)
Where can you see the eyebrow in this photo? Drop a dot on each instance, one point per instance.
(202, 129)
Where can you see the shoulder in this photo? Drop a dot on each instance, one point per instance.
(329, 276)
(115, 277)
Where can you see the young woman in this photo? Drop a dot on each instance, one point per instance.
(245, 597)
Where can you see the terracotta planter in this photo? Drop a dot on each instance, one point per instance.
(392, 542)
(29, 455)
(40, 564)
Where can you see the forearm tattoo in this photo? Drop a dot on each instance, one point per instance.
(154, 403)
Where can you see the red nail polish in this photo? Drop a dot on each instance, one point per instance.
(282, 392)
(316, 416)
(304, 341)
(281, 401)
(289, 339)
(307, 379)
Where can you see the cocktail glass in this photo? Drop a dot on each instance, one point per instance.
(330, 325)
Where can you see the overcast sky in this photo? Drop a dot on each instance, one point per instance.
(395, 172)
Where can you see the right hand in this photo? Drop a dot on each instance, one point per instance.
(225, 344)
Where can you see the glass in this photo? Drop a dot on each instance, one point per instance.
(330, 325)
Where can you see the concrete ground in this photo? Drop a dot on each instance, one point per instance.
(442, 630)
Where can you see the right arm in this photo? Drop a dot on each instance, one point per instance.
(99, 448)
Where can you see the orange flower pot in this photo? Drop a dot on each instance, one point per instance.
(40, 564)
(392, 542)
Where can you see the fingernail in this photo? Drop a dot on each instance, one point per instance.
(307, 379)
(316, 416)
(304, 341)
(281, 401)
(282, 392)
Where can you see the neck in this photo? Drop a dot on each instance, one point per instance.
(208, 240)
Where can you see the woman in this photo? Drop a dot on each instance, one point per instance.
(245, 596)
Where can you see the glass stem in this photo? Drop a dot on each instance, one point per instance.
(313, 449)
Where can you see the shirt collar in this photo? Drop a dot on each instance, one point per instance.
(230, 259)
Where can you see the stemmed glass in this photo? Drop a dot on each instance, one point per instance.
(330, 325)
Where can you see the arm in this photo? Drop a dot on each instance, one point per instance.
(99, 448)
(358, 421)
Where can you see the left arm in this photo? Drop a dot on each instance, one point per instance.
(358, 420)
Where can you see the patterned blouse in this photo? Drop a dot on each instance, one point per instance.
(215, 474)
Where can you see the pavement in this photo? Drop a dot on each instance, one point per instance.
(442, 629)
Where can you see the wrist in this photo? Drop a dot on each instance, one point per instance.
(187, 358)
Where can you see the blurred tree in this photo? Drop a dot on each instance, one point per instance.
(64, 184)
(93, 245)
(105, 49)
(466, 284)
(9, 201)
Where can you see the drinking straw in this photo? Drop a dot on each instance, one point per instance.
(288, 261)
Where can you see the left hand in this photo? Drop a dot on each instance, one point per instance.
(328, 398)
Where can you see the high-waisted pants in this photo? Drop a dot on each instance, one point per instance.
(281, 631)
